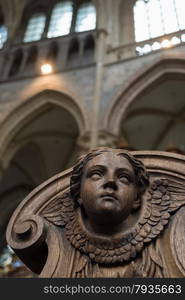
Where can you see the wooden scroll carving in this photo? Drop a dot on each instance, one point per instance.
(115, 214)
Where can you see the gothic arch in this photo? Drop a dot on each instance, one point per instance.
(28, 109)
(139, 84)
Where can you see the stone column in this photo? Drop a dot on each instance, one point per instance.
(100, 52)
(126, 22)
(24, 60)
(3, 168)
(1, 173)
(7, 64)
(42, 55)
(61, 60)
(113, 11)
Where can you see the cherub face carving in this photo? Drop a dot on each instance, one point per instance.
(108, 188)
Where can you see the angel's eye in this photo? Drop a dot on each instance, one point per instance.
(95, 175)
(124, 178)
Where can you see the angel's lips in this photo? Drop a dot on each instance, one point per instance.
(109, 197)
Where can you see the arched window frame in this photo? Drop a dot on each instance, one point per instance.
(80, 15)
(35, 24)
(63, 11)
(150, 10)
(48, 13)
(76, 6)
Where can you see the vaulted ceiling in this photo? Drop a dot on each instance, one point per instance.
(156, 120)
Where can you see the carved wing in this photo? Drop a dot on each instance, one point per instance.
(59, 211)
(163, 198)
(177, 195)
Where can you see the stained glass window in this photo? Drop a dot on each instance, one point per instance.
(35, 28)
(158, 17)
(86, 17)
(3, 35)
(61, 18)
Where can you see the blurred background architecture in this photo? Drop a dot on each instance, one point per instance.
(77, 74)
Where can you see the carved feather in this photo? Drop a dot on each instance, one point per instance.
(60, 210)
(177, 195)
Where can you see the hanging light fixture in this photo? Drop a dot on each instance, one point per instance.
(46, 69)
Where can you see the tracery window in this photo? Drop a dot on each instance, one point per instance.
(86, 17)
(3, 35)
(35, 28)
(155, 18)
(66, 17)
(61, 19)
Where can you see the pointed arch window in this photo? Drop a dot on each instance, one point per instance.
(86, 17)
(35, 28)
(154, 18)
(3, 35)
(61, 19)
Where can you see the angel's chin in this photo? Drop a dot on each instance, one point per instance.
(108, 205)
(108, 213)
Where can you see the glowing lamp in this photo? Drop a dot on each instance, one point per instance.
(166, 44)
(46, 69)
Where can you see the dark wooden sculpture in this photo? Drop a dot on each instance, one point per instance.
(115, 214)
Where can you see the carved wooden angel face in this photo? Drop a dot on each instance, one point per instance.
(108, 188)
